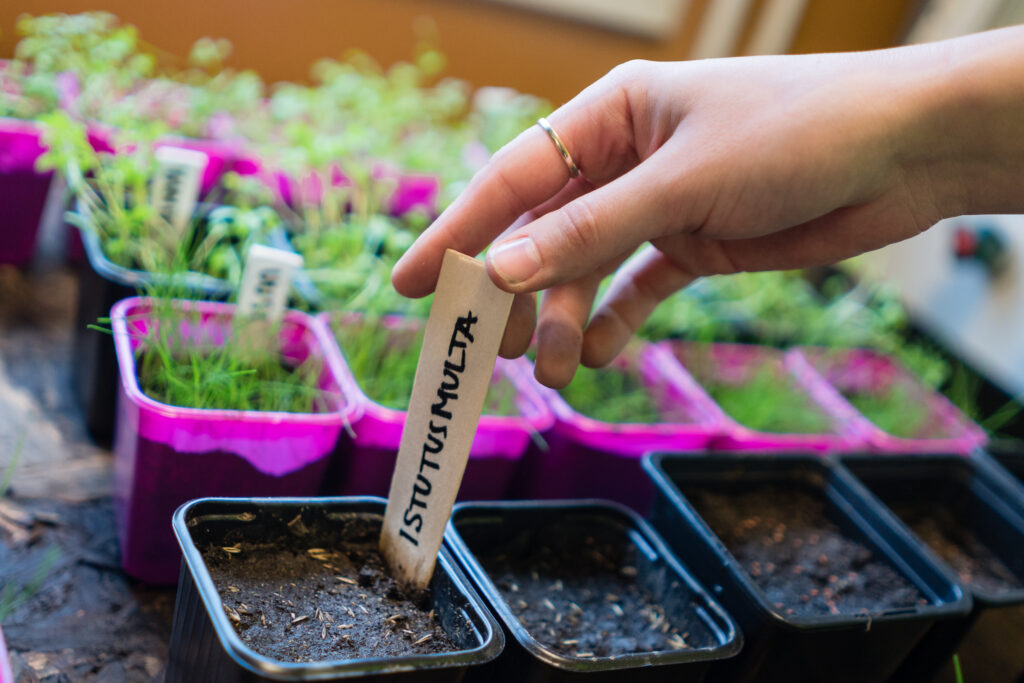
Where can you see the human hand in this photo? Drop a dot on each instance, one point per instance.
(721, 165)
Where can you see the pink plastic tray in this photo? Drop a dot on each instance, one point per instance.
(368, 458)
(737, 363)
(588, 458)
(943, 428)
(166, 455)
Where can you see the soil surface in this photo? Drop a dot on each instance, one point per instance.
(322, 598)
(582, 599)
(953, 541)
(801, 560)
(69, 613)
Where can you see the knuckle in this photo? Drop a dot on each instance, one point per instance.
(579, 226)
(514, 200)
(630, 69)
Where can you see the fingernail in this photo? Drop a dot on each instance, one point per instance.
(515, 261)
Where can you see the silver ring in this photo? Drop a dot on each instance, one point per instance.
(560, 146)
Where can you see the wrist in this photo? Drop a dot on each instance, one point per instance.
(966, 136)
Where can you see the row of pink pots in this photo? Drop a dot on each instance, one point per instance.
(166, 455)
(25, 190)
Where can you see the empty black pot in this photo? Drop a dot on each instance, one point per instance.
(794, 630)
(583, 546)
(956, 508)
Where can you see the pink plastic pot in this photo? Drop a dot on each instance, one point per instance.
(588, 458)
(166, 455)
(413, 191)
(367, 460)
(222, 157)
(23, 190)
(737, 364)
(942, 427)
(5, 663)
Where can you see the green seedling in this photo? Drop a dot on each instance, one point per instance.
(243, 371)
(113, 195)
(612, 395)
(894, 411)
(770, 402)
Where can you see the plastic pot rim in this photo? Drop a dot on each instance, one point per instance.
(491, 645)
(754, 594)
(568, 417)
(843, 436)
(477, 574)
(347, 412)
(972, 435)
(539, 420)
(138, 279)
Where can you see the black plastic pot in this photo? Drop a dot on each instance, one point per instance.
(101, 284)
(205, 647)
(1003, 460)
(524, 527)
(954, 491)
(781, 645)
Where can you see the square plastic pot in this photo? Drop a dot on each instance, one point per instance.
(166, 455)
(582, 457)
(101, 284)
(222, 156)
(367, 459)
(205, 647)
(960, 487)
(24, 190)
(942, 427)
(523, 527)
(780, 646)
(1003, 460)
(738, 364)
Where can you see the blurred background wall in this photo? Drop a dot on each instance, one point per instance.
(553, 52)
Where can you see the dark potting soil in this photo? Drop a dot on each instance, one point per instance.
(953, 541)
(582, 599)
(296, 602)
(801, 560)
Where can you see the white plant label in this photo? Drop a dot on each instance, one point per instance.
(179, 174)
(460, 345)
(266, 279)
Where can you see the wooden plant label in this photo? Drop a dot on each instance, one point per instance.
(262, 297)
(263, 292)
(460, 345)
(179, 173)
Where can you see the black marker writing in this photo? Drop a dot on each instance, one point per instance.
(440, 412)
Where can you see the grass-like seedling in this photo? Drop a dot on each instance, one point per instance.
(893, 410)
(612, 395)
(113, 194)
(242, 371)
(769, 402)
(383, 360)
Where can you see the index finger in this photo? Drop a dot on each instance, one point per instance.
(519, 177)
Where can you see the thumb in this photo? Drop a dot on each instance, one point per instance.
(581, 236)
